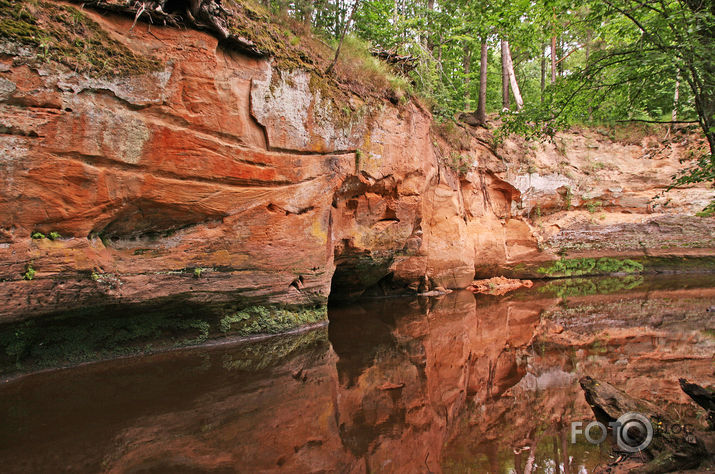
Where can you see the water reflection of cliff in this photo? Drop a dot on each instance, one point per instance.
(486, 383)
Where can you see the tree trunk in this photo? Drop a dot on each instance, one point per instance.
(543, 72)
(430, 40)
(512, 78)
(307, 13)
(588, 55)
(553, 59)
(504, 77)
(482, 104)
(703, 397)
(674, 115)
(439, 49)
(330, 68)
(466, 60)
(395, 13)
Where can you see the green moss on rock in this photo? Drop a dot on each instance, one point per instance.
(270, 320)
(65, 35)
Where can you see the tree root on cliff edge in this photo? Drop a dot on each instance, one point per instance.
(205, 15)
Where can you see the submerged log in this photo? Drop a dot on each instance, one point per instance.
(673, 446)
(703, 397)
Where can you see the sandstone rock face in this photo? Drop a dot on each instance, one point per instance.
(223, 163)
(590, 195)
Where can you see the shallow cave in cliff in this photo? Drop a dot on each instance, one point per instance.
(148, 220)
(358, 272)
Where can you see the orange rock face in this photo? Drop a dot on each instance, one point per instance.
(219, 162)
(220, 176)
(498, 285)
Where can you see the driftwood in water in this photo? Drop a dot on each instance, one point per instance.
(670, 449)
(703, 397)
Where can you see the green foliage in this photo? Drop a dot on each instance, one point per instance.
(76, 339)
(260, 355)
(110, 331)
(709, 210)
(590, 266)
(197, 272)
(270, 320)
(358, 160)
(593, 206)
(54, 235)
(459, 163)
(38, 235)
(29, 272)
(568, 197)
(367, 74)
(703, 170)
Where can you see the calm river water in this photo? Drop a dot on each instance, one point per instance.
(463, 383)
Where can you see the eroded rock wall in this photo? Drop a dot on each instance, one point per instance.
(219, 176)
(591, 193)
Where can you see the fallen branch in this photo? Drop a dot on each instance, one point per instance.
(703, 397)
(658, 121)
(404, 63)
(668, 450)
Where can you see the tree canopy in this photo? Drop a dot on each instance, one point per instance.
(566, 61)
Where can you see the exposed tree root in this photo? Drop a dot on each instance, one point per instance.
(206, 15)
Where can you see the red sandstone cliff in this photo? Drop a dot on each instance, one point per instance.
(222, 162)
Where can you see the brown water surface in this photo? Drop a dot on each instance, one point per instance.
(457, 384)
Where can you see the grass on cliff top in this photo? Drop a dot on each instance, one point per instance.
(66, 35)
(293, 46)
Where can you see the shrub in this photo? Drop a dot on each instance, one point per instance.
(358, 67)
(709, 210)
(29, 272)
(274, 320)
(593, 206)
